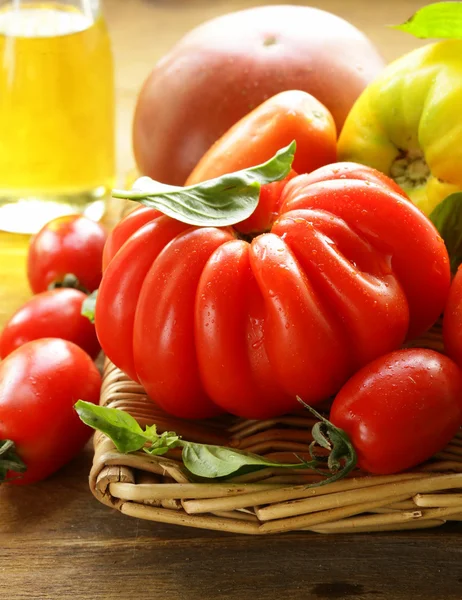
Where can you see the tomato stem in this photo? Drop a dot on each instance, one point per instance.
(249, 237)
(68, 281)
(410, 169)
(9, 460)
(342, 457)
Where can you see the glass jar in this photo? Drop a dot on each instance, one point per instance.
(56, 112)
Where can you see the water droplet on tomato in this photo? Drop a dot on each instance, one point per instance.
(257, 343)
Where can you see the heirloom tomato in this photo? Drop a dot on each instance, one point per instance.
(39, 384)
(210, 319)
(406, 123)
(400, 409)
(229, 65)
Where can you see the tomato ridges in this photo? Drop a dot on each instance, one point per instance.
(208, 321)
(392, 225)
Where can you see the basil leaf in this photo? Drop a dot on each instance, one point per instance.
(160, 444)
(206, 461)
(214, 462)
(439, 20)
(124, 430)
(447, 218)
(219, 202)
(89, 306)
(117, 424)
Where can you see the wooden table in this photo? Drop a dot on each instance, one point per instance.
(58, 542)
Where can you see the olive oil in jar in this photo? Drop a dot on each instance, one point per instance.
(56, 112)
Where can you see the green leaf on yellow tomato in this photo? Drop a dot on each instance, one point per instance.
(439, 20)
(218, 202)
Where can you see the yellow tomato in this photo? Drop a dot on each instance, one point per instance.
(408, 123)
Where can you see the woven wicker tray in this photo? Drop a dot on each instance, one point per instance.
(271, 500)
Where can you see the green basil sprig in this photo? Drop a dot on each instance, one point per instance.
(218, 202)
(206, 461)
(447, 218)
(439, 20)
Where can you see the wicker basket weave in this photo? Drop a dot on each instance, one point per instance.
(271, 500)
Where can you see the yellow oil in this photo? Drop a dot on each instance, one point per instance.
(56, 115)
(14, 287)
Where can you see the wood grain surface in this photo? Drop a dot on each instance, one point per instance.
(57, 542)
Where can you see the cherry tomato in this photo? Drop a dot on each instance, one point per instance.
(56, 313)
(39, 384)
(73, 245)
(400, 409)
(452, 320)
